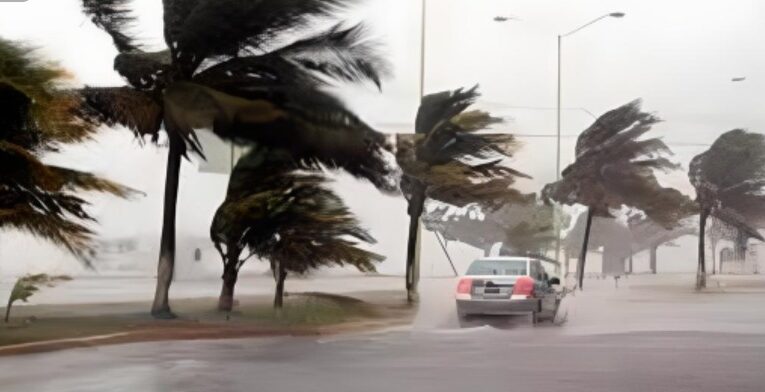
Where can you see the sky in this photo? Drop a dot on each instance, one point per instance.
(679, 56)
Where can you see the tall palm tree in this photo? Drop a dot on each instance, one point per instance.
(730, 182)
(37, 117)
(615, 168)
(227, 69)
(448, 160)
(285, 216)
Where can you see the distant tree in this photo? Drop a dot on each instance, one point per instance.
(648, 235)
(470, 227)
(730, 185)
(449, 161)
(287, 217)
(719, 231)
(234, 67)
(613, 168)
(26, 286)
(522, 228)
(38, 117)
(607, 233)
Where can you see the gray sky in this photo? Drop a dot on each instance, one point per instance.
(678, 55)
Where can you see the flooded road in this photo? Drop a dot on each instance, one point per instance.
(649, 335)
(480, 359)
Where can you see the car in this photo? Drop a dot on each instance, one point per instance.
(506, 286)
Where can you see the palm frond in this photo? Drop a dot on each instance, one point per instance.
(475, 120)
(82, 181)
(340, 53)
(611, 124)
(288, 217)
(250, 76)
(136, 110)
(114, 17)
(442, 107)
(329, 134)
(72, 236)
(729, 179)
(145, 71)
(225, 27)
(615, 168)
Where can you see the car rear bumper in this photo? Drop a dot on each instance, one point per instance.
(495, 307)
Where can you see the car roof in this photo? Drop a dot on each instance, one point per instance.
(505, 258)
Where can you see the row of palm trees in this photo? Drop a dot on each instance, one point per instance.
(232, 68)
(616, 167)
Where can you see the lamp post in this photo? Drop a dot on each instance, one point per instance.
(559, 111)
(558, 119)
(413, 270)
(560, 79)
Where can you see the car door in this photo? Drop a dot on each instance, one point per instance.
(547, 292)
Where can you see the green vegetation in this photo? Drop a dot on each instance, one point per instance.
(236, 68)
(287, 217)
(37, 117)
(729, 179)
(26, 286)
(615, 168)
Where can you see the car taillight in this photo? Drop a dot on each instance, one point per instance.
(465, 286)
(524, 286)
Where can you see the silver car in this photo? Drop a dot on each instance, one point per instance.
(504, 286)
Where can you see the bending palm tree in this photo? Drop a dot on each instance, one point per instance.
(36, 117)
(222, 72)
(287, 217)
(449, 161)
(730, 179)
(614, 169)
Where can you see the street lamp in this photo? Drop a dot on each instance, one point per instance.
(559, 111)
(560, 74)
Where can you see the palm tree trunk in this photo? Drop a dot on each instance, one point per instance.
(230, 276)
(583, 255)
(701, 273)
(279, 297)
(416, 206)
(8, 311)
(161, 306)
(653, 252)
(714, 257)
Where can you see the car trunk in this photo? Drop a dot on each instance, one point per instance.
(492, 287)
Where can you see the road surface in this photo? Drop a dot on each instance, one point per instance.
(649, 335)
(481, 359)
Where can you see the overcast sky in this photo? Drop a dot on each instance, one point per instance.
(678, 55)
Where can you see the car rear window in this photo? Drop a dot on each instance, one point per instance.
(498, 267)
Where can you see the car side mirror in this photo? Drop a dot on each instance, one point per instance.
(554, 282)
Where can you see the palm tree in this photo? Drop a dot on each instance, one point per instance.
(447, 160)
(287, 217)
(729, 179)
(37, 117)
(614, 169)
(224, 70)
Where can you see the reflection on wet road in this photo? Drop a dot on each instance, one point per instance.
(448, 360)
